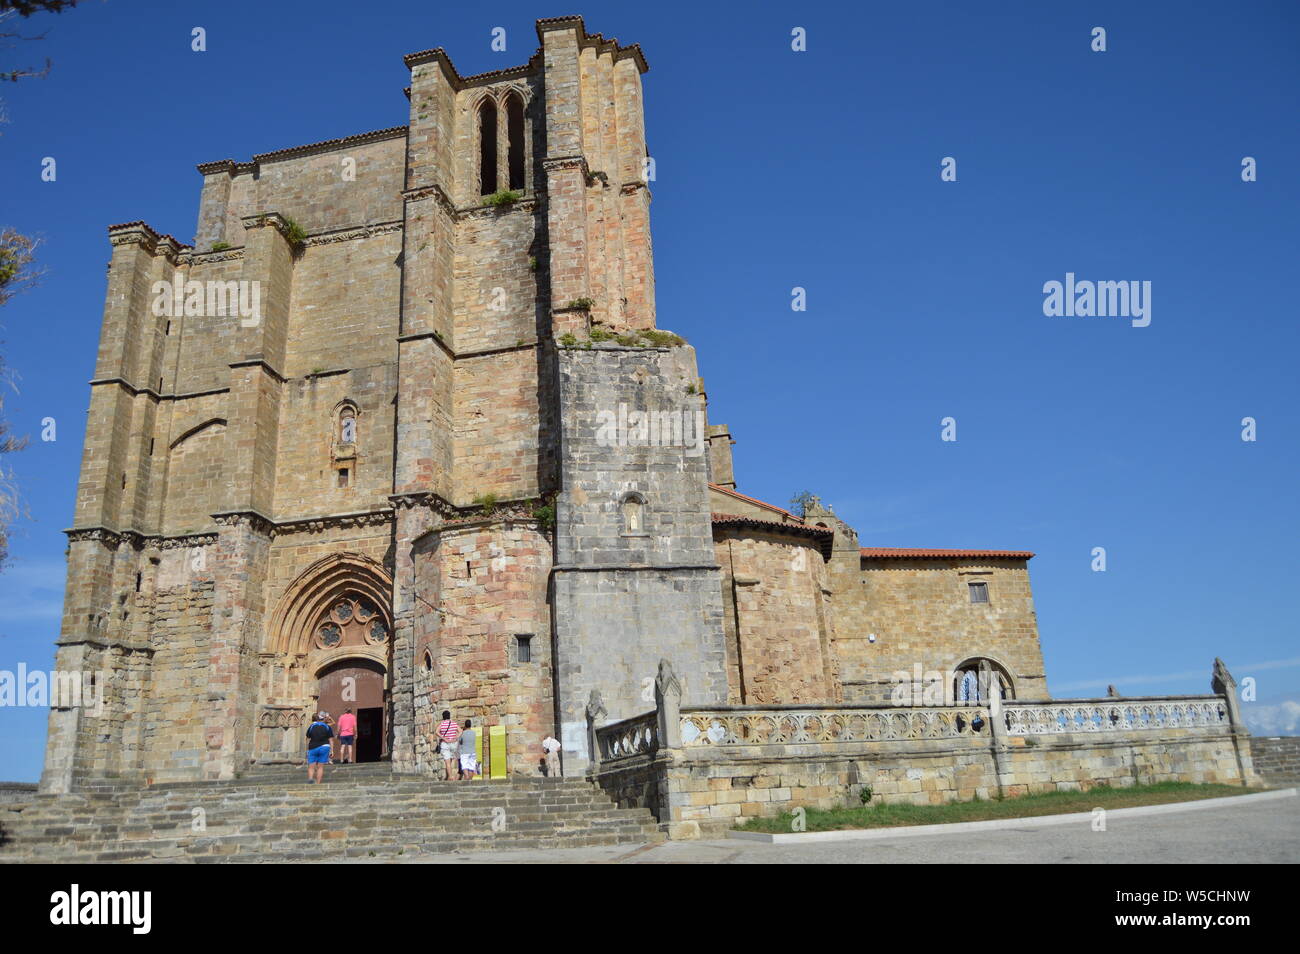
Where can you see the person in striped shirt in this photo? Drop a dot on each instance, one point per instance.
(448, 733)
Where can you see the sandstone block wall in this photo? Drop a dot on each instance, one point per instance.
(921, 612)
(778, 614)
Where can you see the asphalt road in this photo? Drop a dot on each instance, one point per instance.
(1263, 832)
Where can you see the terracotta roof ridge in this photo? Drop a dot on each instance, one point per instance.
(754, 500)
(940, 552)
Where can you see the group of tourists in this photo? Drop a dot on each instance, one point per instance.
(457, 744)
(320, 745)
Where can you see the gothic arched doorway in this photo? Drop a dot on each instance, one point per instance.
(329, 649)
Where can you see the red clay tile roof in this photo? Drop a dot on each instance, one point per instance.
(822, 536)
(922, 553)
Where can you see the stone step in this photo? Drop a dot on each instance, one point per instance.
(370, 814)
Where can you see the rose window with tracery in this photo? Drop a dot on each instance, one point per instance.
(352, 620)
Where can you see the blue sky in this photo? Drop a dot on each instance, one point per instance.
(817, 169)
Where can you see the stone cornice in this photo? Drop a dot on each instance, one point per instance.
(150, 392)
(141, 540)
(140, 233)
(422, 498)
(631, 567)
(352, 233)
(594, 40)
(231, 167)
(253, 362)
(527, 204)
(223, 255)
(568, 162)
(432, 191)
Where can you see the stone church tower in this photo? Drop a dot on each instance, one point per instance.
(388, 478)
(399, 433)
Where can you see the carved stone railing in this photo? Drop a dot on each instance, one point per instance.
(784, 725)
(638, 735)
(1115, 715)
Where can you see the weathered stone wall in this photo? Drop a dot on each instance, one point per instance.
(1277, 759)
(487, 580)
(777, 611)
(921, 613)
(180, 630)
(310, 184)
(626, 595)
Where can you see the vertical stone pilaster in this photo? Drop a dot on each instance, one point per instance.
(413, 517)
(214, 205)
(239, 619)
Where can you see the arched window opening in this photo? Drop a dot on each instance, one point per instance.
(975, 680)
(515, 133)
(487, 148)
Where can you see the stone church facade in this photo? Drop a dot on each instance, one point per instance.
(450, 461)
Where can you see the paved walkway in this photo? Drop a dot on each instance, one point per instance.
(1248, 833)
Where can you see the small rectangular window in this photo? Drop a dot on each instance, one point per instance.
(524, 645)
(343, 476)
(979, 592)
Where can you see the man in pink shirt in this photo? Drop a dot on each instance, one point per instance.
(347, 736)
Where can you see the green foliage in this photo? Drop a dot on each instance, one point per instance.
(865, 795)
(487, 503)
(569, 340)
(692, 388)
(545, 515)
(663, 339)
(294, 232)
(896, 814)
(221, 246)
(502, 197)
(586, 304)
(602, 334)
(532, 263)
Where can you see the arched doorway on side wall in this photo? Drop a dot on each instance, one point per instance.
(357, 684)
(975, 679)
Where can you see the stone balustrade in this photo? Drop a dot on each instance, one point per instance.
(1115, 715)
(789, 725)
(701, 768)
(638, 735)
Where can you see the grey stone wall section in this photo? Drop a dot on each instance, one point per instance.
(623, 601)
(1277, 759)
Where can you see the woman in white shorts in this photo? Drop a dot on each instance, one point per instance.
(468, 760)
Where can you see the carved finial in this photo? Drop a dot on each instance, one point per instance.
(1221, 681)
(595, 706)
(1112, 693)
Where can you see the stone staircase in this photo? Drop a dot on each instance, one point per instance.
(360, 812)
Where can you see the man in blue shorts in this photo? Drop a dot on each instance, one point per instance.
(319, 734)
